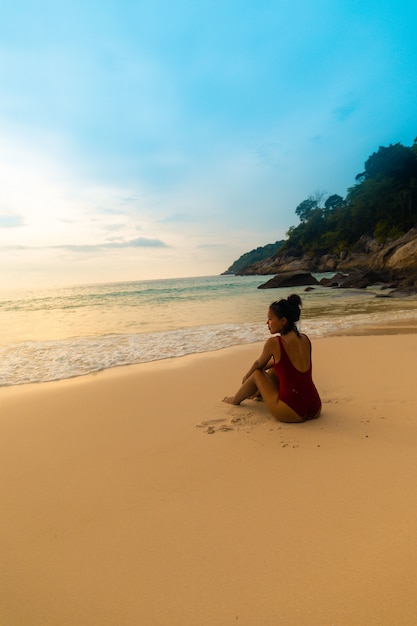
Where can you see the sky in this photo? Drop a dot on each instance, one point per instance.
(143, 140)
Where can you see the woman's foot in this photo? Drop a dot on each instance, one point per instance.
(229, 400)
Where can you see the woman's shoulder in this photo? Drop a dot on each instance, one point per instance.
(272, 341)
(272, 344)
(305, 342)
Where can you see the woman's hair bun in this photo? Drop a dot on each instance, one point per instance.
(294, 300)
(288, 307)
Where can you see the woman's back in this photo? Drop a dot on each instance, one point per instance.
(296, 387)
(298, 349)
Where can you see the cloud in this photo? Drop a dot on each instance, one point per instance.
(342, 113)
(140, 242)
(11, 221)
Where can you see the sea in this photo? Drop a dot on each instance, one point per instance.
(59, 333)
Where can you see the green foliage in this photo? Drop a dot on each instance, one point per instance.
(333, 202)
(305, 209)
(259, 254)
(383, 204)
(383, 232)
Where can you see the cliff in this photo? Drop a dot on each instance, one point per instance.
(394, 262)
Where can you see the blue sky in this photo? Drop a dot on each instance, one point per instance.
(159, 139)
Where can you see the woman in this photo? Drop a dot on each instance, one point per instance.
(287, 389)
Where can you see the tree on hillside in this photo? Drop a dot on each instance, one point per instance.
(384, 201)
(333, 202)
(254, 256)
(395, 161)
(305, 209)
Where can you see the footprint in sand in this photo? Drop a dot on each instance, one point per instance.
(210, 430)
(209, 423)
(210, 426)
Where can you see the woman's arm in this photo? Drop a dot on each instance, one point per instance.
(249, 387)
(263, 360)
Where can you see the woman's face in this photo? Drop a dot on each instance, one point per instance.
(275, 324)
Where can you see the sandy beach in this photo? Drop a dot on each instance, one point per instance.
(136, 497)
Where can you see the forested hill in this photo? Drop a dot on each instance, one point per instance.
(254, 256)
(381, 204)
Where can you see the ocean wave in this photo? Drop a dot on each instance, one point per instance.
(61, 333)
(42, 361)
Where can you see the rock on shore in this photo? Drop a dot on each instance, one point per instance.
(393, 264)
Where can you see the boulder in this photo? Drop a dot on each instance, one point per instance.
(355, 281)
(398, 255)
(404, 258)
(401, 292)
(290, 279)
(361, 280)
(328, 263)
(334, 281)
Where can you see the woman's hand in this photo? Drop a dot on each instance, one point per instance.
(263, 361)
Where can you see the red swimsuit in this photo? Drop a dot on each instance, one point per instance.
(296, 388)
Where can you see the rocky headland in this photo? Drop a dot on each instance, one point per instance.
(392, 264)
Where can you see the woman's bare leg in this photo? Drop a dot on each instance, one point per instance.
(250, 389)
(272, 375)
(270, 394)
(268, 387)
(247, 390)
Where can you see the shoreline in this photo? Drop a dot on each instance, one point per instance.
(135, 496)
(393, 328)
